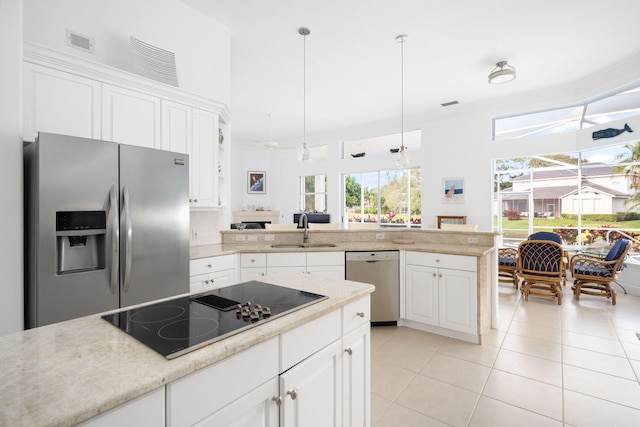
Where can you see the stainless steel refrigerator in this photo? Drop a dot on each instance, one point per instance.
(106, 226)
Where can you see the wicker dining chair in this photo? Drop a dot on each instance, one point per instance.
(593, 275)
(541, 268)
(554, 237)
(508, 266)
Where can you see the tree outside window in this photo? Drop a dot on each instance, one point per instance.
(390, 198)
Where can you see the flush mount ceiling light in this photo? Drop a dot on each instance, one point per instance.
(305, 156)
(403, 157)
(502, 73)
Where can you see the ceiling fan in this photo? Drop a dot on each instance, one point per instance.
(270, 144)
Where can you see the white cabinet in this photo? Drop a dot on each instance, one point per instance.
(205, 159)
(147, 410)
(59, 102)
(312, 390)
(286, 262)
(326, 264)
(212, 273)
(356, 378)
(356, 363)
(257, 408)
(194, 131)
(200, 395)
(441, 290)
(130, 117)
(253, 266)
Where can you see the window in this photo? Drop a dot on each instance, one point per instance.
(381, 145)
(313, 195)
(389, 198)
(571, 119)
(582, 196)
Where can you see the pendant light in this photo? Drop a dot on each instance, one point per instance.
(403, 157)
(305, 156)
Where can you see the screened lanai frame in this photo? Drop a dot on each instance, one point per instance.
(569, 119)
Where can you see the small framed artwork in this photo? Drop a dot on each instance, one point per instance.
(453, 190)
(256, 182)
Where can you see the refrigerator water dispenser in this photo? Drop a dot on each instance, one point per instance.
(80, 241)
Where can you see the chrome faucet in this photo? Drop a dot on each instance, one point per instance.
(303, 221)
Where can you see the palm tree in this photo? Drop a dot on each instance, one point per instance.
(632, 169)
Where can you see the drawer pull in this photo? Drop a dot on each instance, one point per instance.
(360, 314)
(209, 265)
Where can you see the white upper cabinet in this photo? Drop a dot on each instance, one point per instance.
(66, 95)
(130, 117)
(60, 102)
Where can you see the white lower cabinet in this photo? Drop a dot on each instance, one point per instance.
(356, 378)
(312, 390)
(211, 273)
(147, 410)
(323, 264)
(441, 290)
(257, 408)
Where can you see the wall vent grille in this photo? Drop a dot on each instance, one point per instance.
(152, 62)
(80, 41)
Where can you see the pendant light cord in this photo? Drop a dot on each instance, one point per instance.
(304, 89)
(402, 40)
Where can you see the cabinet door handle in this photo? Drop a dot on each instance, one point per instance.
(348, 351)
(277, 400)
(209, 265)
(293, 393)
(440, 275)
(434, 274)
(360, 314)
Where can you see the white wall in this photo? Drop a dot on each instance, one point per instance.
(201, 45)
(11, 247)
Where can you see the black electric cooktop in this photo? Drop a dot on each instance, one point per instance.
(180, 325)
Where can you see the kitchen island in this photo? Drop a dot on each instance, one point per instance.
(69, 372)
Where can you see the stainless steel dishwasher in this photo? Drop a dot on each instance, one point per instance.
(380, 268)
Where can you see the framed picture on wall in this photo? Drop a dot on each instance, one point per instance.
(256, 182)
(453, 190)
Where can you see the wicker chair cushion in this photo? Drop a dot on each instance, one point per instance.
(546, 235)
(507, 262)
(591, 270)
(616, 250)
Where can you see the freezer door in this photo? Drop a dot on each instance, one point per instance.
(70, 181)
(154, 224)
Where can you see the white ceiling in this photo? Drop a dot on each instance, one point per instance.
(353, 60)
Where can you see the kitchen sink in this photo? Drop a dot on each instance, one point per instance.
(307, 245)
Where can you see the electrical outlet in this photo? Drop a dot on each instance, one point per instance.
(379, 236)
(241, 238)
(472, 240)
(269, 237)
(253, 238)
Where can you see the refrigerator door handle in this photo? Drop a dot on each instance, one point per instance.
(127, 250)
(115, 238)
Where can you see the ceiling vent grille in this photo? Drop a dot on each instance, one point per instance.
(79, 41)
(152, 62)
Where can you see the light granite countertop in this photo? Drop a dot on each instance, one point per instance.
(259, 247)
(68, 372)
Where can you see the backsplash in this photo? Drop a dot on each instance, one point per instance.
(205, 227)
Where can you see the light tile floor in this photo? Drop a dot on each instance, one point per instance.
(577, 364)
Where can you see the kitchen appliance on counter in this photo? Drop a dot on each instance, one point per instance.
(183, 324)
(381, 269)
(106, 226)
